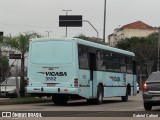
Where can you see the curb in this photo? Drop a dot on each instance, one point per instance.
(24, 102)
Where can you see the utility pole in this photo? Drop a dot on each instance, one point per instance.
(158, 49)
(66, 15)
(104, 25)
(1, 39)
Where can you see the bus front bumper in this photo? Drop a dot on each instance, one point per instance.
(52, 90)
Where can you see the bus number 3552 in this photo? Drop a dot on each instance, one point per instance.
(50, 78)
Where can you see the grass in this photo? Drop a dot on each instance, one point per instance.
(24, 100)
(27, 99)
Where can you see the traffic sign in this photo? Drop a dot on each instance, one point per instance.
(14, 56)
(70, 21)
(1, 33)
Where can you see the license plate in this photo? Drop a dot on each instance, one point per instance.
(50, 84)
(155, 98)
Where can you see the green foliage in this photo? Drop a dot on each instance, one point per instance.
(82, 36)
(92, 39)
(5, 66)
(145, 49)
(5, 61)
(33, 35)
(1, 40)
(20, 44)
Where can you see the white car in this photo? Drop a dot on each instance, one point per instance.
(8, 87)
(137, 88)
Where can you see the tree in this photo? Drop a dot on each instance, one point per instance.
(3, 60)
(20, 43)
(145, 49)
(5, 67)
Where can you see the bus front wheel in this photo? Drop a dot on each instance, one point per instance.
(59, 99)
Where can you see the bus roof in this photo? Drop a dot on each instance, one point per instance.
(87, 43)
(105, 47)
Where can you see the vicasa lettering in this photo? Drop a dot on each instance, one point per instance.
(52, 76)
(56, 73)
(115, 78)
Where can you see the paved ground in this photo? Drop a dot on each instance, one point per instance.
(80, 109)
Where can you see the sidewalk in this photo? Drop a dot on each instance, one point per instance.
(10, 101)
(4, 98)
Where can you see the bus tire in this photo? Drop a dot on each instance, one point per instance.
(59, 99)
(91, 101)
(125, 98)
(147, 106)
(99, 99)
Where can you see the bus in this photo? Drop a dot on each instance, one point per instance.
(68, 68)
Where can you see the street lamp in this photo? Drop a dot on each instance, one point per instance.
(104, 25)
(48, 33)
(66, 15)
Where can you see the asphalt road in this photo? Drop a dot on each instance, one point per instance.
(134, 103)
(112, 107)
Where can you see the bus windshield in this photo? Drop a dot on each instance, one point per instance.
(51, 52)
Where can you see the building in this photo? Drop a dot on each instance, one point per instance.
(135, 29)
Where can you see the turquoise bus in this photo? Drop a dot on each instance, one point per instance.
(67, 68)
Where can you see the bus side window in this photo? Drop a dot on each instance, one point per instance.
(129, 65)
(83, 57)
(123, 67)
(104, 62)
(85, 52)
(98, 55)
(134, 68)
(80, 51)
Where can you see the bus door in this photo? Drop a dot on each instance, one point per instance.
(86, 82)
(85, 86)
(92, 65)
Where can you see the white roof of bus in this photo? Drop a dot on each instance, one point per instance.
(105, 47)
(88, 43)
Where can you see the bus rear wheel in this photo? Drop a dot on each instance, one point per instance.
(60, 99)
(99, 99)
(125, 98)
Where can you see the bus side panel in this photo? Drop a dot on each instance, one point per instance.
(135, 84)
(84, 83)
(115, 84)
(102, 78)
(119, 84)
(129, 81)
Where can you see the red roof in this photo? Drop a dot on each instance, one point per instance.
(138, 25)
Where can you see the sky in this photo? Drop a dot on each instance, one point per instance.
(19, 16)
